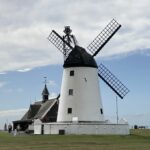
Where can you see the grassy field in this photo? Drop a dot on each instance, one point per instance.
(138, 140)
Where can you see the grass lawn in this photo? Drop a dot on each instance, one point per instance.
(138, 140)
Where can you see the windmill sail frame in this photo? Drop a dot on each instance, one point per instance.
(96, 45)
(105, 35)
(59, 42)
(112, 81)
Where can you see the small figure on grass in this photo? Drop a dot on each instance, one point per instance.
(9, 128)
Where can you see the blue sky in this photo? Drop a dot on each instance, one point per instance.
(23, 88)
(26, 56)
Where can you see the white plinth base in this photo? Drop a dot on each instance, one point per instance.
(85, 128)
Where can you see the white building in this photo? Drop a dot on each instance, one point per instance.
(80, 97)
(80, 108)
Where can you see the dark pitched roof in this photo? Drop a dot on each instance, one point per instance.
(31, 112)
(78, 57)
(39, 109)
(45, 107)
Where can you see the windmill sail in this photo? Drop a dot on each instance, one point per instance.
(100, 41)
(59, 43)
(112, 81)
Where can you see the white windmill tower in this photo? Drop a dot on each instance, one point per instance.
(80, 97)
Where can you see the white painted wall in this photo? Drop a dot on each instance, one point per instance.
(87, 128)
(86, 100)
(37, 126)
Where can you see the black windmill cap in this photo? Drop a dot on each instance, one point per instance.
(79, 57)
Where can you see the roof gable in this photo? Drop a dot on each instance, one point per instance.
(31, 112)
(45, 108)
(38, 110)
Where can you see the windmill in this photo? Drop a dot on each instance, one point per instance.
(80, 98)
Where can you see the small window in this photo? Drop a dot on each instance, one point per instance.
(101, 110)
(72, 73)
(70, 91)
(69, 110)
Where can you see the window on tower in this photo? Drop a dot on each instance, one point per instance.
(72, 73)
(69, 110)
(101, 111)
(70, 91)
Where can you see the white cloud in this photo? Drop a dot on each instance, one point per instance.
(25, 25)
(2, 84)
(139, 119)
(52, 83)
(53, 95)
(13, 90)
(7, 116)
(1, 73)
(19, 90)
(15, 112)
(136, 119)
(24, 70)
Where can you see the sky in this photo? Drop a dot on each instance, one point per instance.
(26, 56)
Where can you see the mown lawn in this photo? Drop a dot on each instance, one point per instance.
(138, 140)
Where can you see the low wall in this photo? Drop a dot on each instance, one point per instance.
(86, 128)
(38, 126)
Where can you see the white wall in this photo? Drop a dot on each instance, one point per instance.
(37, 126)
(86, 100)
(101, 129)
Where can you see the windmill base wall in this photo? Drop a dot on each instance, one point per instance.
(85, 128)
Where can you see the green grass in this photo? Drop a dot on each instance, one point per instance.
(138, 140)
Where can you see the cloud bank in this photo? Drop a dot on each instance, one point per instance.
(7, 116)
(25, 26)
